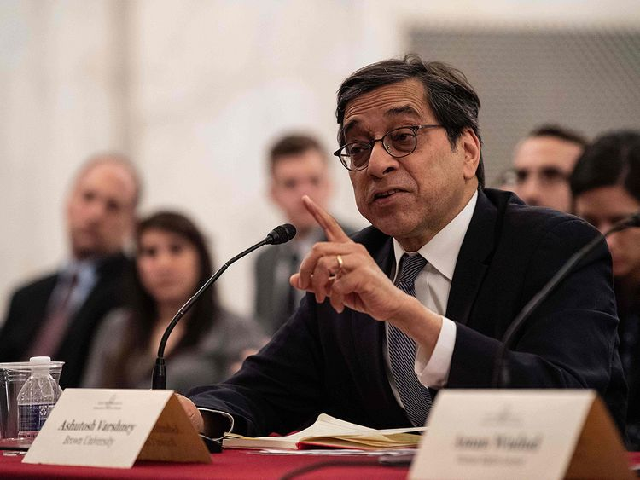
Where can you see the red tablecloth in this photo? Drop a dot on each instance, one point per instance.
(231, 464)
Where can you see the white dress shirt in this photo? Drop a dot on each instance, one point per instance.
(433, 285)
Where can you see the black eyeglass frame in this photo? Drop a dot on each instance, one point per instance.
(370, 144)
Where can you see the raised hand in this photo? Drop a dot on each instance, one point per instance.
(344, 272)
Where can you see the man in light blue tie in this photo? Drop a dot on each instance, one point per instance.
(420, 300)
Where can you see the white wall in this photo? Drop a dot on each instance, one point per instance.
(59, 101)
(194, 90)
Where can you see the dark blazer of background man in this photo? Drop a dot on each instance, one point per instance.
(298, 166)
(100, 215)
(331, 355)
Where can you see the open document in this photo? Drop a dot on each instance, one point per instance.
(329, 432)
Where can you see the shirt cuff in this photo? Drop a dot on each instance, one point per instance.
(216, 423)
(434, 372)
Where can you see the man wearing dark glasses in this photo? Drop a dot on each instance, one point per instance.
(420, 300)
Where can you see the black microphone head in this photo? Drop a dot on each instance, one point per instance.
(281, 234)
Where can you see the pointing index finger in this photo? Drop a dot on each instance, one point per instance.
(331, 228)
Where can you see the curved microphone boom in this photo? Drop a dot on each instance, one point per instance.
(501, 367)
(280, 234)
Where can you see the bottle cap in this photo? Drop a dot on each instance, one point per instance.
(40, 360)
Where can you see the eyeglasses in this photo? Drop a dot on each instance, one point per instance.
(547, 175)
(398, 143)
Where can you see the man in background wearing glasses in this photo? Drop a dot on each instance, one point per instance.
(420, 300)
(542, 165)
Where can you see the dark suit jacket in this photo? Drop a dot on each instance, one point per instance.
(629, 331)
(28, 309)
(271, 299)
(321, 361)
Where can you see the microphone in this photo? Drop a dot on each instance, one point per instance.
(501, 367)
(280, 234)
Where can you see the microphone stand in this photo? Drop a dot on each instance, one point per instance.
(501, 366)
(159, 379)
(277, 236)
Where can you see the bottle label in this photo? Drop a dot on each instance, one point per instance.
(31, 417)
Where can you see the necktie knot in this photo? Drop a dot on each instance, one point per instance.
(410, 267)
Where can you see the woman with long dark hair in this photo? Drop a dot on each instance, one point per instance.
(172, 261)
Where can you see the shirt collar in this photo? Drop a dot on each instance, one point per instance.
(442, 250)
(82, 268)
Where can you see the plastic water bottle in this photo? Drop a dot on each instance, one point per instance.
(36, 398)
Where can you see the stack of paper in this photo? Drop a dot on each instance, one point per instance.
(329, 432)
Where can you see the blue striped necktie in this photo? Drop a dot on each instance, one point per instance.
(402, 350)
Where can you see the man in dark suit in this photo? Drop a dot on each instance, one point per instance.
(423, 297)
(298, 166)
(56, 315)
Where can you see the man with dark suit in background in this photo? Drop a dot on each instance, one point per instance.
(298, 166)
(421, 299)
(57, 314)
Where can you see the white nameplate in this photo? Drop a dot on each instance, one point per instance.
(506, 434)
(114, 428)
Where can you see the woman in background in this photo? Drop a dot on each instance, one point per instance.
(606, 189)
(172, 263)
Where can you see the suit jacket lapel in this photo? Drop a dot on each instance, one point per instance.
(366, 331)
(368, 336)
(473, 258)
(370, 332)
